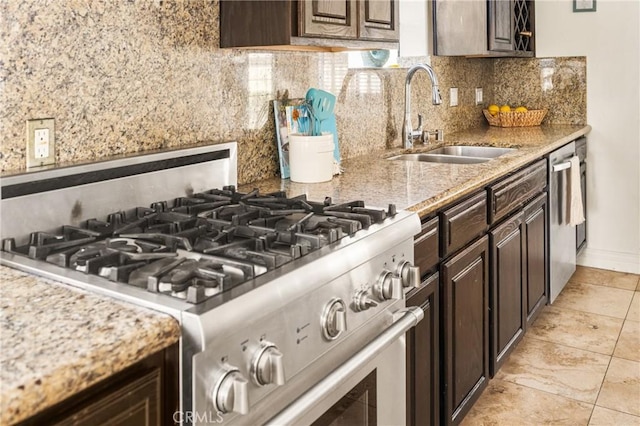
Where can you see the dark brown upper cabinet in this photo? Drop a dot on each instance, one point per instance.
(490, 28)
(309, 24)
(379, 20)
(333, 19)
(501, 25)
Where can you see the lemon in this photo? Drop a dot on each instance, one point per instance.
(493, 109)
(521, 109)
(505, 108)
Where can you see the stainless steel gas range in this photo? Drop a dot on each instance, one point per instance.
(292, 310)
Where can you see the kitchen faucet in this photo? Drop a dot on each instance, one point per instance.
(408, 132)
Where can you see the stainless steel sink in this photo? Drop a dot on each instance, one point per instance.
(456, 154)
(439, 158)
(472, 151)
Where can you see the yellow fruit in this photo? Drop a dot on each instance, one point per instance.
(493, 109)
(521, 109)
(505, 108)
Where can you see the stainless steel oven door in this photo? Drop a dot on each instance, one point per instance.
(359, 406)
(368, 389)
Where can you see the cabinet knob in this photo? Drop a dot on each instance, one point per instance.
(526, 34)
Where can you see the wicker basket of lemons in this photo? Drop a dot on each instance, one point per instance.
(505, 116)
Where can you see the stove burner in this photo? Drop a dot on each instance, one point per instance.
(193, 280)
(195, 247)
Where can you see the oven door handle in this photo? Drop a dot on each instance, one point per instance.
(409, 317)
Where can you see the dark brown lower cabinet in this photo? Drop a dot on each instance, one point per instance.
(425, 247)
(145, 393)
(536, 255)
(138, 402)
(423, 348)
(507, 295)
(465, 322)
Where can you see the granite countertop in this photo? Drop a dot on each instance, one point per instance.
(56, 340)
(425, 187)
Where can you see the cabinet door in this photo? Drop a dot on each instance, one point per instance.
(501, 25)
(459, 27)
(328, 18)
(536, 257)
(465, 305)
(507, 296)
(423, 369)
(136, 404)
(379, 20)
(255, 23)
(524, 24)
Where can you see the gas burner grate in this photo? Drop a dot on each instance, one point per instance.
(197, 246)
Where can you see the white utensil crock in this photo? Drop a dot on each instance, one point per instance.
(311, 158)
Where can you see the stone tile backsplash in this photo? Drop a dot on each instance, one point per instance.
(558, 84)
(124, 77)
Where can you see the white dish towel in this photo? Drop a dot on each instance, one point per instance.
(575, 210)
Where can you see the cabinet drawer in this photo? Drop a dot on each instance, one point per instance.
(426, 246)
(512, 192)
(463, 222)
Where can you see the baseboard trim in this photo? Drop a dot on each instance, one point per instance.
(611, 260)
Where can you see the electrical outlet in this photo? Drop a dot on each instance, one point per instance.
(453, 96)
(41, 142)
(478, 95)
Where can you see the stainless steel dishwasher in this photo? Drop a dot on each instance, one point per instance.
(562, 236)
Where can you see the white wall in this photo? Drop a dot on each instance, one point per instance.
(610, 39)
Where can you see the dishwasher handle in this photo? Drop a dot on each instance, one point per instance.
(409, 317)
(562, 166)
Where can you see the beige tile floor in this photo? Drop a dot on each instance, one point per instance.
(579, 363)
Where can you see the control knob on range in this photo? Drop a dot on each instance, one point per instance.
(267, 366)
(409, 274)
(231, 392)
(388, 287)
(334, 319)
(362, 301)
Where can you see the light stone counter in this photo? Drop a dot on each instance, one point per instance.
(57, 340)
(425, 187)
